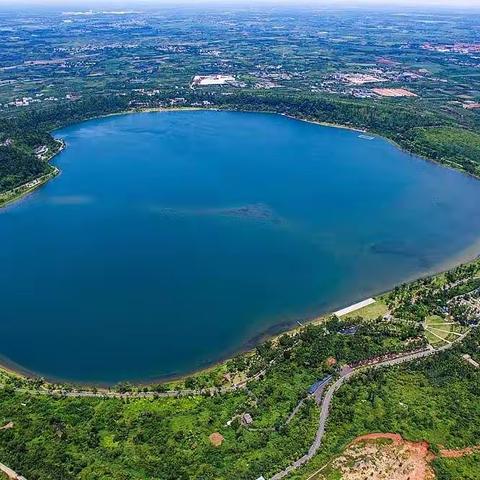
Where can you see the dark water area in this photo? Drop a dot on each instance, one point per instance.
(171, 240)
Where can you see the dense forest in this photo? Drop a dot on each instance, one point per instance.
(18, 162)
(75, 438)
(168, 438)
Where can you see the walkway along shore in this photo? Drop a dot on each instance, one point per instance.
(111, 394)
(324, 404)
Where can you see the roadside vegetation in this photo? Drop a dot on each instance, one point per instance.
(51, 436)
(433, 400)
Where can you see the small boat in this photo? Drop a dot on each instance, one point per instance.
(366, 137)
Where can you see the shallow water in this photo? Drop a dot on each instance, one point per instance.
(172, 239)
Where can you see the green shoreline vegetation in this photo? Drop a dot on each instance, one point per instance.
(19, 190)
(413, 127)
(57, 436)
(316, 65)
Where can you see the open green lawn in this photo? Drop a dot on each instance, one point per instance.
(440, 331)
(371, 312)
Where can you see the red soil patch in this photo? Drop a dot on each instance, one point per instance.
(367, 457)
(419, 454)
(330, 361)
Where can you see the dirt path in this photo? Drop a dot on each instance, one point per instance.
(461, 452)
(10, 474)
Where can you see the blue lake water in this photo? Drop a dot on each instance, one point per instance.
(171, 240)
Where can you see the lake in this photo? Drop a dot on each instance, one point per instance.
(172, 240)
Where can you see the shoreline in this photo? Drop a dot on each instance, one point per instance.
(22, 191)
(468, 255)
(299, 118)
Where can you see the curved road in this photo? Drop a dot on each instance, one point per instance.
(327, 400)
(325, 404)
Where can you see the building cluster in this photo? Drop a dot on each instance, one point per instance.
(206, 80)
(466, 306)
(41, 152)
(367, 84)
(464, 48)
(38, 98)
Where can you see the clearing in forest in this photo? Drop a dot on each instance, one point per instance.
(440, 331)
(372, 311)
(386, 456)
(383, 456)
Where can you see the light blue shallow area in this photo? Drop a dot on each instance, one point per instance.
(171, 240)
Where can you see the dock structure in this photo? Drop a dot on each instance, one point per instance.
(354, 307)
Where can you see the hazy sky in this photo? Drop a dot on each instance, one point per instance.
(451, 3)
(103, 3)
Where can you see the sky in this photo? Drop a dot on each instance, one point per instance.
(92, 3)
(103, 3)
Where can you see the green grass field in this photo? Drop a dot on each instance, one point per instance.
(440, 331)
(370, 312)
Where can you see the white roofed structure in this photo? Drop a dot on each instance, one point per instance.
(354, 307)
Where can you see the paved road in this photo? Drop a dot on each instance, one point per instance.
(324, 405)
(327, 400)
